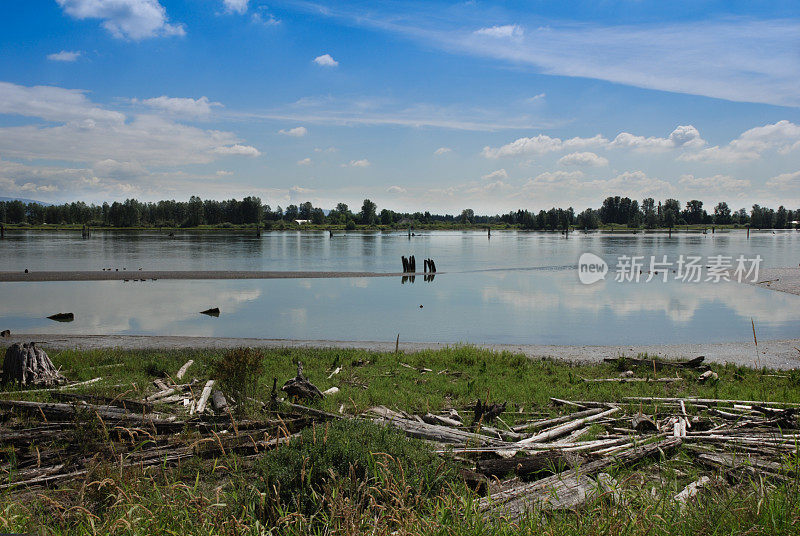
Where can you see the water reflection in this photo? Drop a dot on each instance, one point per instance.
(518, 307)
(476, 297)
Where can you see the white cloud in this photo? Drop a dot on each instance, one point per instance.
(785, 181)
(396, 190)
(783, 137)
(52, 104)
(685, 136)
(78, 130)
(536, 98)
(235, 6)
(181, 106)
(263, 16)
(488, 188)
(326, 60)
(733, 58)
(715, 184)
(125, 19)
(110, 168)
(64, 55)
(635, 184)
(585, 159)
(223, 173)
(299, 193)
(442, 150)
(542, 144)
(359, 163)
(296, 132)
(550, 179)
(237, 149)
(498, 174)
(304, 162)
(502, 32)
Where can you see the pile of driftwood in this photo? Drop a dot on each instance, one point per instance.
(27, 364)
(562, 462)
(516, 460)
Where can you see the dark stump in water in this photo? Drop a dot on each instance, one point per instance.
(62, 317)
(214, 311)
(27, 364)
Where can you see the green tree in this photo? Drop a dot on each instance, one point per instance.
(722, 213)
(368, 214)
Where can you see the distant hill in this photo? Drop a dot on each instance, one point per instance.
(24, 200)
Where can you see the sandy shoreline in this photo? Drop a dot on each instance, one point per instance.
(778, 354)
(780, 279)
(94, 275)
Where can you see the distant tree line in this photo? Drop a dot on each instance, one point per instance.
(617, 210)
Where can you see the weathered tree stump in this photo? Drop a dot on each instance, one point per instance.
(300, 387)
(28, 365)
(487, 412)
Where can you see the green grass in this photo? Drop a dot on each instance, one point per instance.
(460, 375)
(232, 495)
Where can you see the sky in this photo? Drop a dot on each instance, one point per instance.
(437, 106)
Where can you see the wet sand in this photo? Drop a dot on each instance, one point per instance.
(780, 279)
(99, 275)
(783, 354)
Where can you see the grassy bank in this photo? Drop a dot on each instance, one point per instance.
(353, 479)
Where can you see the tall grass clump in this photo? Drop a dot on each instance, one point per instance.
(238, 372)
(350, 465)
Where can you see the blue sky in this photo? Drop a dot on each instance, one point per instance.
(417, 105)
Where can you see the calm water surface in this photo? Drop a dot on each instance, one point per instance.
(516, 287)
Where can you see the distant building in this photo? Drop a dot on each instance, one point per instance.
(301, 222)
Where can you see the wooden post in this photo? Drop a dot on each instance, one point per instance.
(258, 230)
(488, 232)
(748, 232)
(2, 230)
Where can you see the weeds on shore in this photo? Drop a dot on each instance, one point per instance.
(355, 478)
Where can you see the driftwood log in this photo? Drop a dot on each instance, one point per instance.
(27, 364)
(530, 467)
(300, 387)
(696, 363)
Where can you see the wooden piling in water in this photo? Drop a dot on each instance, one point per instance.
(748, 231)
(2, 231)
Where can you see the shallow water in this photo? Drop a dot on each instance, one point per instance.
(517, 287)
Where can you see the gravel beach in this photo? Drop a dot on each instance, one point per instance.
(783, 354)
